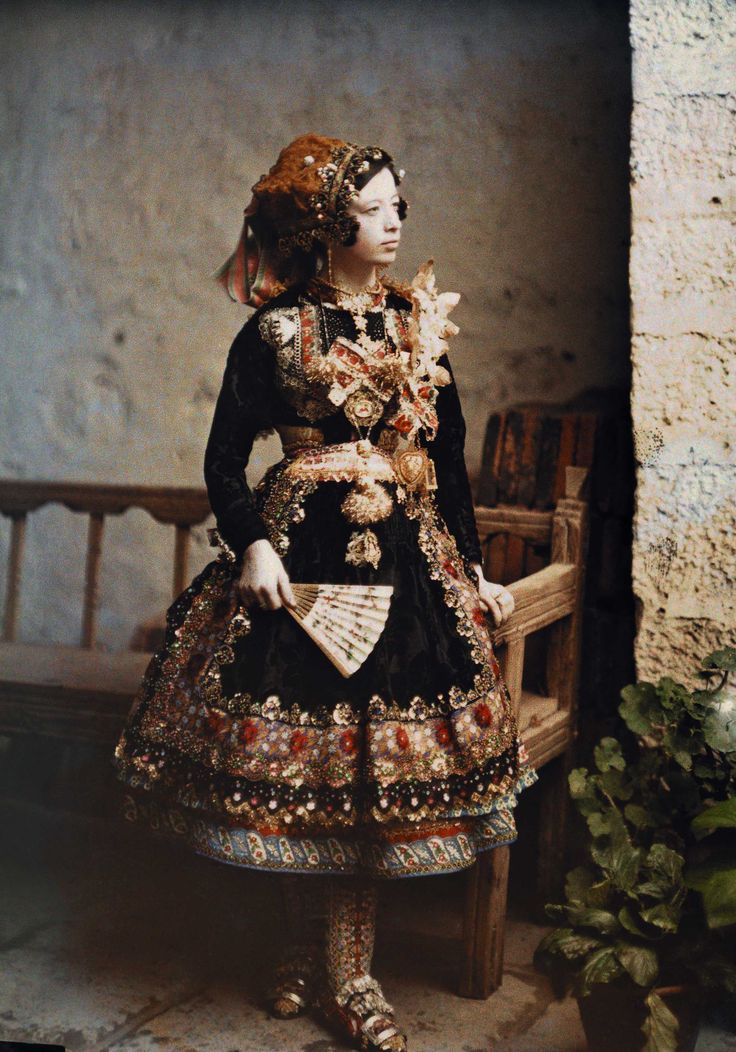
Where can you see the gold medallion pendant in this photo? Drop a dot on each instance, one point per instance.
(363, 410)
(415, 469)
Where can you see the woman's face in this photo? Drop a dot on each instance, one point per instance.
(376, 209)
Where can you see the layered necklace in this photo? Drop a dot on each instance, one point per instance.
(361, 410)
(368, 501)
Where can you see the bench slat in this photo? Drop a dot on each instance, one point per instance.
(65, 692)
(92, 579)
(57, 668)
(15, 565)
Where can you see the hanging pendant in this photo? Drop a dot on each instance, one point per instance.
(363, 410)
(367, 501)
(415, 469)
(363, 549)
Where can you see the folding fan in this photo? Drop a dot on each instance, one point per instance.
(344, 620)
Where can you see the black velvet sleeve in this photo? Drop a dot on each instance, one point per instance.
(453, 493)
(243, 409)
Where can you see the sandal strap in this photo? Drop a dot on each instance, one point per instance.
(387, 1032)
(365, 1000)
(290, 995)
(293, 978)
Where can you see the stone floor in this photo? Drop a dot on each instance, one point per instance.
(115, 943)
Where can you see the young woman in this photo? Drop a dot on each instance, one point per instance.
(249, 740)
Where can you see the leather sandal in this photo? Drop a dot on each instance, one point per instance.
(293, 984)
(360, 1009)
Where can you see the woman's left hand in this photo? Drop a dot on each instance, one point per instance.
(494, 598)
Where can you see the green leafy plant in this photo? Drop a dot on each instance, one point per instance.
(649, 908)
(714, 875)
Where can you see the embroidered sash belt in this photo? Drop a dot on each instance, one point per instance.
(391, 459)
(342, 462)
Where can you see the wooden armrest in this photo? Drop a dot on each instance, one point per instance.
(541, 599)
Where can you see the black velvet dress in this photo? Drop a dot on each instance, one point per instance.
(245, 742)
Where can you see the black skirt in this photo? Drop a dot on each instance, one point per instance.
(247, 744)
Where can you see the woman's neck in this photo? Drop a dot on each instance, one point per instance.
(354, 276)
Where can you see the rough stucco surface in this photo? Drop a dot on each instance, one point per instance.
(683, 285)
(131, 136)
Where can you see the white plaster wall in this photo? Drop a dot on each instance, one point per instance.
(131, 136)
(683, 284)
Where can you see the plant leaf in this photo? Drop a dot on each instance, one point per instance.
(599, 920)
(640, 709)
(578, 883)
(660, 1027)
(556, 911)
(724, 659)
(601, 967)
(566, 943)
(608, 755)
(664, 915)
(582, 791)
(680, 748)
(672, 695)
(628, 921)
(577, 780)
(599, 823)
(716, 882)
(719, 816)
(665, 872)
(624, 865)
(639, 817)
(719, 731)
(617, 784)
(640, 962)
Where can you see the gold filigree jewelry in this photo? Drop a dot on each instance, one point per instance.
(415, 469)
(362, 410)
(367, 501)
(358, 302)
(363, 548)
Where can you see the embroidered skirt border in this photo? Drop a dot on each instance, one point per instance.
(435, 847)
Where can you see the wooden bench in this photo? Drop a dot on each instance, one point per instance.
(80, 693)
(550, 601)
(83, 694)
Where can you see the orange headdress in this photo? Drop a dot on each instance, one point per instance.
(303, 199)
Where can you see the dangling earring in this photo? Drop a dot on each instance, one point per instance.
(329, 264)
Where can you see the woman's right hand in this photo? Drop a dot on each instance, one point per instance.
(263, 579)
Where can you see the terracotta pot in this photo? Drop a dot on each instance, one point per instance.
(612, 1015)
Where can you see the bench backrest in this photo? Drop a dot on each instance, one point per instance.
(181, 507)
(549, 597)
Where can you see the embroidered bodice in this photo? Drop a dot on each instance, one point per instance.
(267, 383)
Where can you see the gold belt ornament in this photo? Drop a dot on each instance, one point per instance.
(367, 466)
(412, 466)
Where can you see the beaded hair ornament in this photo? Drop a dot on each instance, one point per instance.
(303, 199)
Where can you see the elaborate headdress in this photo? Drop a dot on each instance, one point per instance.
(302, 200)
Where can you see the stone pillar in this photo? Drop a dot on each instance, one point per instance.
(683, 295)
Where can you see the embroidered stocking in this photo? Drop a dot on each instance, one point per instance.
(351, 929)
